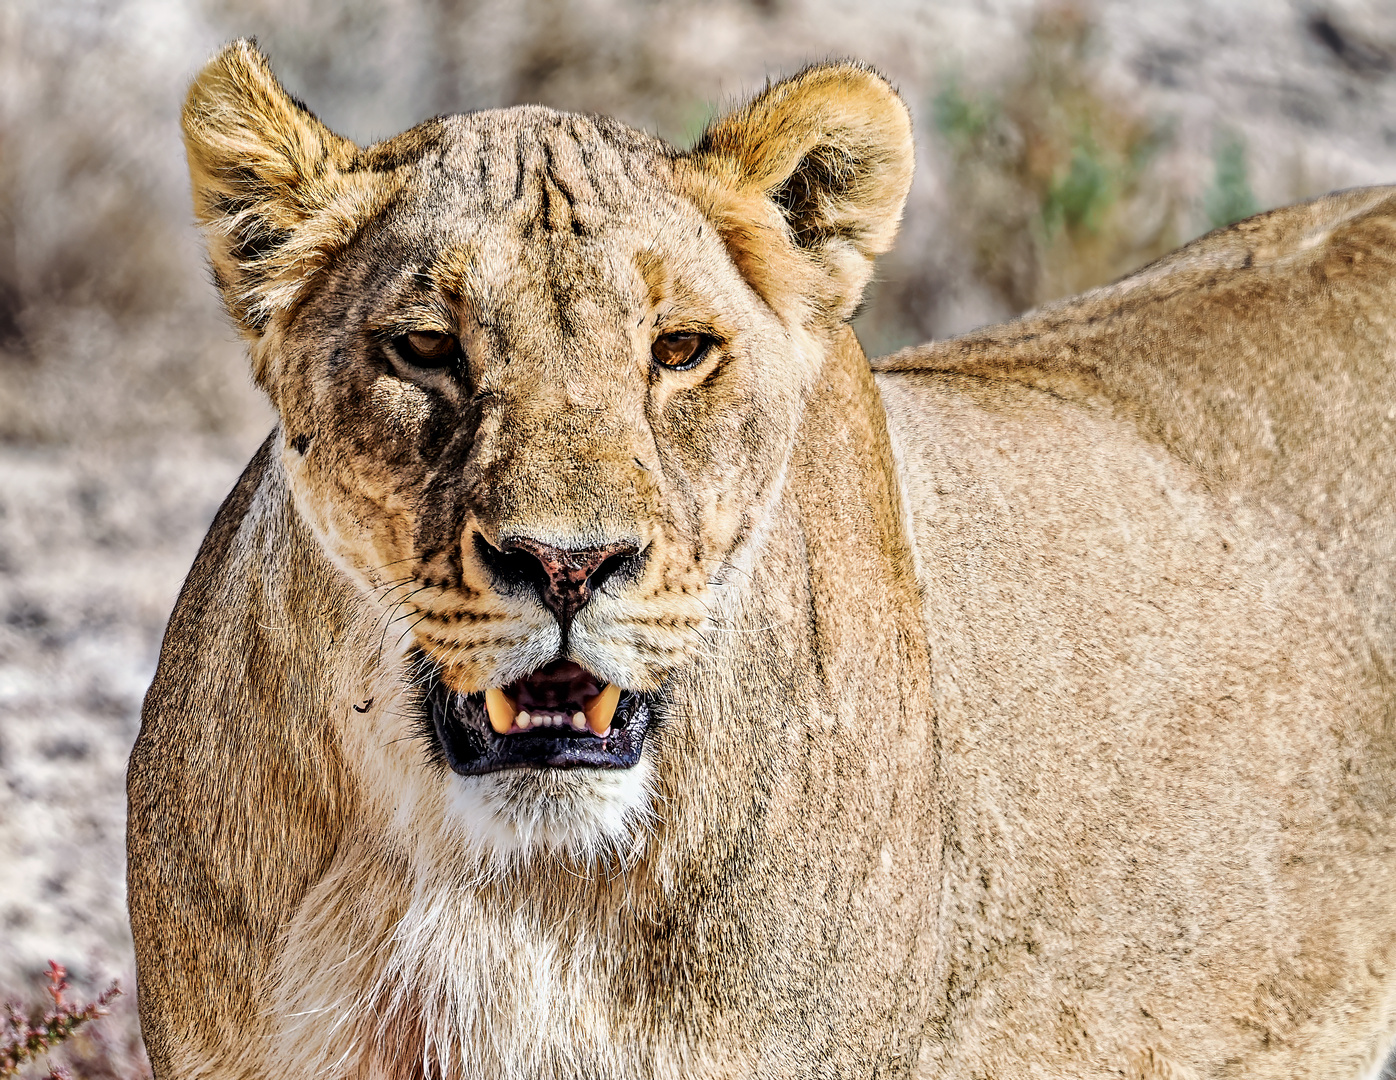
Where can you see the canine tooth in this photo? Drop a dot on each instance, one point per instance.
(601, 709)
(501, 710)
(524, 720)
(579, 720)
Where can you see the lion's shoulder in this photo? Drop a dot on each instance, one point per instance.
(1260, 355)
(1206, 316)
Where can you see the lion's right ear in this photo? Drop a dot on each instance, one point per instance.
(806, 184)
(274, 188)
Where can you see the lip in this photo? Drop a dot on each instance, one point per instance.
(461, 731)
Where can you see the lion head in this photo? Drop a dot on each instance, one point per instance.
(539, 376)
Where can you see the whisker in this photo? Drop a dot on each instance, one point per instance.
(415, 609)
(389, 618)
(424, 617)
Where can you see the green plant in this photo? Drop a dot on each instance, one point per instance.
(960, 117)
(1230, 197)
(1055, 179)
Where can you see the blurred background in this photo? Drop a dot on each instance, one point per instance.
(1059, 146)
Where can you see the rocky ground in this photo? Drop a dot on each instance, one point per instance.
(92, 551)
(93, 547)
(125, 415)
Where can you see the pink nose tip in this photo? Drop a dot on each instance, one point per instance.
(564, 578)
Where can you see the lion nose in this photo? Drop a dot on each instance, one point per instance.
(564, 578)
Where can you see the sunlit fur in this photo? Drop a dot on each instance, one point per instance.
(1023, 708)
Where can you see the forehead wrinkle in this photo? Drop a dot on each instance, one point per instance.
(507, 160)
(489, 181)
(568, 297)
(570, 173)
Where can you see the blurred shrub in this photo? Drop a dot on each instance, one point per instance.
(1230, 197)
(65, 1039)
(1052, 179)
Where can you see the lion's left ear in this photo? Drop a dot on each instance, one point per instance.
(806, 184)
(275, 189)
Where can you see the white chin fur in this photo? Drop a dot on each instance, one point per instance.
(583, 814)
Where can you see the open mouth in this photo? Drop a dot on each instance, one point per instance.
(559, 717)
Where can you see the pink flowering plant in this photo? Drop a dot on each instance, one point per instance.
(27, 1037)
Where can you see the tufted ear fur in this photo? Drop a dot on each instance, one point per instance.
(806, 183)
(274, 189)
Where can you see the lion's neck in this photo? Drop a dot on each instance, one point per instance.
(850, 512)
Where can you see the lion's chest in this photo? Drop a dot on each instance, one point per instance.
(438, 981)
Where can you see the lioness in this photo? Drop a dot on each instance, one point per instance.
(601, 672)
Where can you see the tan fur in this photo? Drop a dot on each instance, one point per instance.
(1026, 707)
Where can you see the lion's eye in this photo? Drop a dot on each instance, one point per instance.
(680, 351)
(427, 348)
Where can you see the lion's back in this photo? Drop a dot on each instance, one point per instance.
(1262, 357)
(1154, 529)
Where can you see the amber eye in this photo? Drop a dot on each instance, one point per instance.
(680, 351)
(427, 348)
